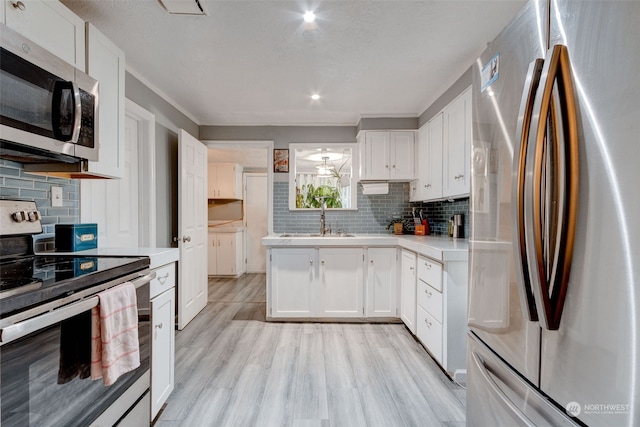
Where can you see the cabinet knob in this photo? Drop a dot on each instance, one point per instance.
(322, 262)
(310, 262)
(371, 261)
(159, 325)
(426, 291)
(426, 264)
(186, 239)
(18, 5)
(428, 323)
(386, 166)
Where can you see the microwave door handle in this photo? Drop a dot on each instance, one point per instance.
(56, 115)
(518, 177)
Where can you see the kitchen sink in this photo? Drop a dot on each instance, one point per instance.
(316, 235)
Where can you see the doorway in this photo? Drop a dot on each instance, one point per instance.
(257, 159)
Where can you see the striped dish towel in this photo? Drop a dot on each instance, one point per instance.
(114, 334)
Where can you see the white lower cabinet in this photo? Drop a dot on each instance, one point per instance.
(408, 289)
(381, 284)
(311, 282)
(162, 298)
(225, 254)
(441, 308)
(292, 276)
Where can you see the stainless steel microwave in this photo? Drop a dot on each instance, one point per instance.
(48, 108)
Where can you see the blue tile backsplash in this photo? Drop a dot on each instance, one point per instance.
(15, 183)
(372, 216)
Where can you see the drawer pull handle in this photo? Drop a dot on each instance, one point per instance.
(18, 5)
(163, 279)
(159, 325)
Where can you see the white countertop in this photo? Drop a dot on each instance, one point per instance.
(441, 248)
(225, 226)
(157, 256)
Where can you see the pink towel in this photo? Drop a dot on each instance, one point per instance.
(114, 334)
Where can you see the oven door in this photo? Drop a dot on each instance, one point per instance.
(38, 382)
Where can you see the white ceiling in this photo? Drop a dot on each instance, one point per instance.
(257, 62)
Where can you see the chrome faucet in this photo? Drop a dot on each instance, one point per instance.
(323, 229)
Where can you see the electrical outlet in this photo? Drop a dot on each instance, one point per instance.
(56, 197)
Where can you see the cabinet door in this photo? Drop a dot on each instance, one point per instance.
(381, 282)
(293, 273)
(212, 254)
(162, 349)
(457, 146)
(51, 25)
(408, 290)
(402, 155)
(432, 185)
(376, 156)
(226, 181)
(106, 63)
(226, 254)
(212, 181)
(341, 282)
(417, 187)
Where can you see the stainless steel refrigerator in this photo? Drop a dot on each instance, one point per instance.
(554, 292)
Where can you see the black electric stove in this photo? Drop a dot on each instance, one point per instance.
(37, 279)
(28, 280)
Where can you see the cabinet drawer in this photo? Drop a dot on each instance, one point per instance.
(430, 300)
(430, 333)
(165, 279)
(430, 271)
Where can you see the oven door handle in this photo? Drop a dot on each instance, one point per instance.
(26, 327)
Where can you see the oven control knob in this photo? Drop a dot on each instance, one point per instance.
(19, 216)
(33, 216)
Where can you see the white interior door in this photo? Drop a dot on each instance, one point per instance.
(192, 227)
(255, 221)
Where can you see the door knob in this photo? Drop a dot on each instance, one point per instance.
(186, 239)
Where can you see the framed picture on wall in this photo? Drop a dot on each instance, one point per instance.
(281, 160)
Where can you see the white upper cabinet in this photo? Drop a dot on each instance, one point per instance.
(456, 162)
(49, 24)
(387, 155)
(428, 186)
(225, 181)
(106, 63)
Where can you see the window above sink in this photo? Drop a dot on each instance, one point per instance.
(323, 171)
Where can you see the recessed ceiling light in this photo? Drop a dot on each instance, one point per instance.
(315, 96)
(309, 16)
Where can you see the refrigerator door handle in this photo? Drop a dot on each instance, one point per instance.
(497, 391)
(517, 189)
(551, 187)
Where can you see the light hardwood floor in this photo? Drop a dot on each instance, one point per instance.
(235, 369)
